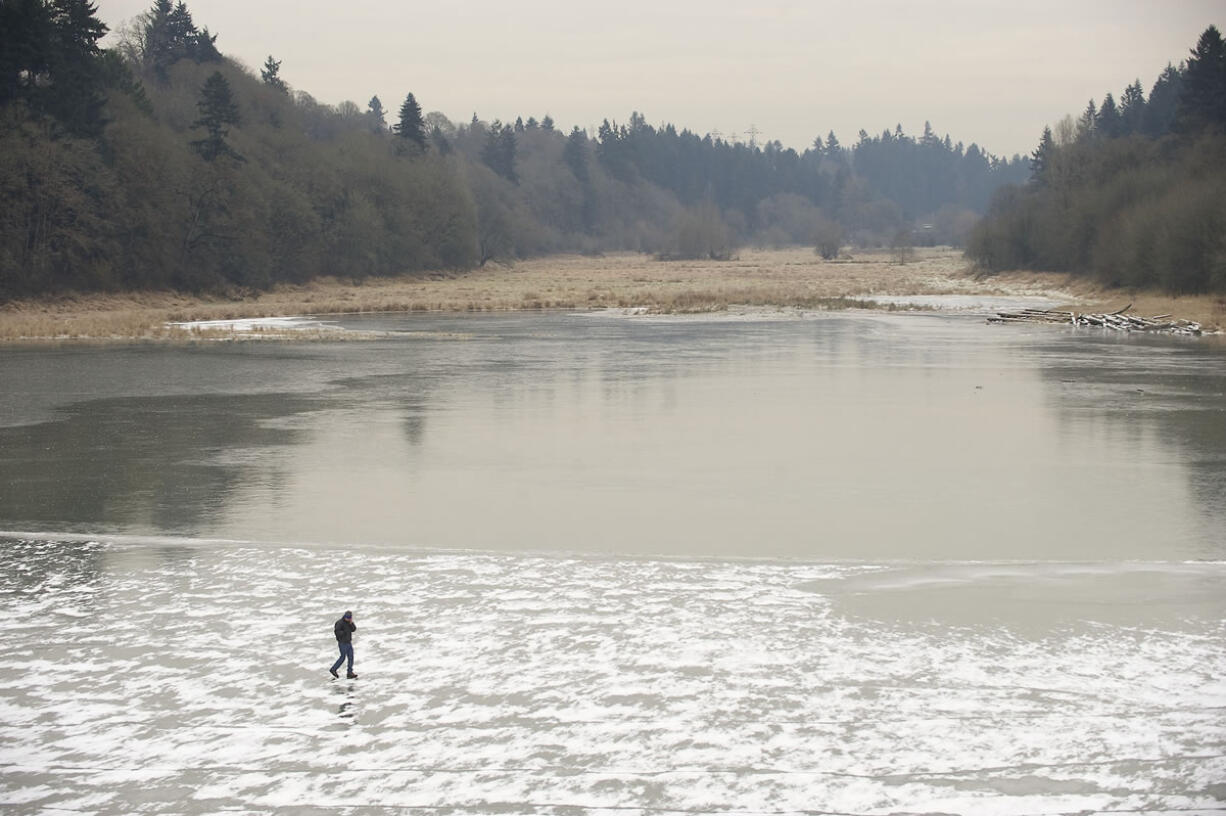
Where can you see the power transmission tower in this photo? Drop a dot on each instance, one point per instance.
(753, 134)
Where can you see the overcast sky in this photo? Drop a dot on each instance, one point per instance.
(980, 70)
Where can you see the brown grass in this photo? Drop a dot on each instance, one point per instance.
(760, 278)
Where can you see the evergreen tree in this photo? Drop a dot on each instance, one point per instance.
(24, 47)
(76, 97)
(1163, 103)
(50, 59)
(506, 147)
(1040, 159)
(575, 154)
(376, 116)
(1203, 102)
(833, 148)
(270, 74)
(411, 127)
(614, 151)
(168, 34)
(1132, 108)
(1087, 122)
(203, 47)
(499, 151)
(160, 43)
(1108, 122)
(217, 110)
(547, 123)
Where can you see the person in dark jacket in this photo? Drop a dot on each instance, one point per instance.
(344, 629)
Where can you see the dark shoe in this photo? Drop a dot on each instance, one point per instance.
(333, 673)
(351, 676)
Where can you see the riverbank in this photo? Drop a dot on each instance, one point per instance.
(788, 278)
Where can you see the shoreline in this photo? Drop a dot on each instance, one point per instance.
(794, 278)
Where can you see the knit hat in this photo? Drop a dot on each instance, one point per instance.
(348, 614)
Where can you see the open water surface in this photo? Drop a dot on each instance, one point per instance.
(853, 563)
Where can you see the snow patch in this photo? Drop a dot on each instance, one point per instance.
(284, 325)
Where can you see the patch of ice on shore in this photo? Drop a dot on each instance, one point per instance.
(259, 324)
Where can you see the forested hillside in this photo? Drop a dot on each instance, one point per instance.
(160, 163)
(1132, 193)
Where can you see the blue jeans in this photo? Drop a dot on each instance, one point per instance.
(346, 652)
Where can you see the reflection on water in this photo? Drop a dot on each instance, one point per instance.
(1147, 395)
(844, 436)
(156, 463)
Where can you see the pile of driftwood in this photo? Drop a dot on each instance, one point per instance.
(1115, 320)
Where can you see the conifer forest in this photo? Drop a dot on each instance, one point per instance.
(159, 163)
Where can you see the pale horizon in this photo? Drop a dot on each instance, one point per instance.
(989, 73)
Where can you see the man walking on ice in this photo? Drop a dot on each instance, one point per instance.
(344, 629)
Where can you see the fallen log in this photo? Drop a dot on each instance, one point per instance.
(1118, 320)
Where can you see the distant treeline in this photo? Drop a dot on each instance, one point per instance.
(1132, 193)
(160, 163)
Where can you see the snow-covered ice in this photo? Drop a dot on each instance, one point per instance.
(191, 677)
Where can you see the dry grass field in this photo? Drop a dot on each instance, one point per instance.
(789, 278)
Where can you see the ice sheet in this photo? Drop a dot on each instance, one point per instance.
(191, 677)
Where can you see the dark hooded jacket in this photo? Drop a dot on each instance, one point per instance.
(344, 630)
